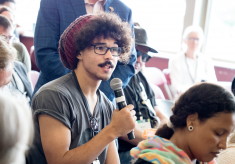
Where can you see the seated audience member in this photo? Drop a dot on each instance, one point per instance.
(228, 155)
(139, 93)
(203, 117)
(6, 30)
(16, 129)
(12, 5)
(190, 66)
(13, 75)
(72, 116)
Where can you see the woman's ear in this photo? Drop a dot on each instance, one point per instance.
(192, 119)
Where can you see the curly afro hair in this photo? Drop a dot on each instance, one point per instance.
(81, 33)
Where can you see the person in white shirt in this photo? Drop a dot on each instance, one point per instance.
(190, 66)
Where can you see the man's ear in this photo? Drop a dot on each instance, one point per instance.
(79, 56)
(192, 119)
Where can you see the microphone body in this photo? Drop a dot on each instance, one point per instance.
(120, 99)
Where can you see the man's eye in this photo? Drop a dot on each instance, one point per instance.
(114, 49)
(100, 48)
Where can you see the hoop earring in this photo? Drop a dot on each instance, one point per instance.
(190, 128)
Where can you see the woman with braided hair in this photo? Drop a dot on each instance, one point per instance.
(203, 117)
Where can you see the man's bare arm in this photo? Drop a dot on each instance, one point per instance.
(56, 138)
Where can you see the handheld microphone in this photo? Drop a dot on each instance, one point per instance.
(116, 85)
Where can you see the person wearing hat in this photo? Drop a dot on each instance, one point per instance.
(72, 116)
(54, 17)
(139, 93)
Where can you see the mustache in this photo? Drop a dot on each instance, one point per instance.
(107, 63)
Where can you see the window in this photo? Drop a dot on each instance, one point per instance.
(221, 31)
(162, 19)
(26, 13)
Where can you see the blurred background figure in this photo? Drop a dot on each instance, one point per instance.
(139, 93)
(6, 30)
(228, 156)
(12, 5)
(16, 129)
(190, 66)
(13, 75)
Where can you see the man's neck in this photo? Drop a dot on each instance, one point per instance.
(87, 84)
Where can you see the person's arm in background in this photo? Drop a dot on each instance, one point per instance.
(46, 39)
(160, 115)
(122, 71)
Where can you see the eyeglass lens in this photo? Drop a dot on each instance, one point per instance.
(102, 50)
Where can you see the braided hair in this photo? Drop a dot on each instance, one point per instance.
(205, 99)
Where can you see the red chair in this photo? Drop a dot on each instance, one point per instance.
(33, 60)
(166, 72)
(33, 77)
(155, 76)
(157, 91)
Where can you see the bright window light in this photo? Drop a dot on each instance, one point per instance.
(221, 32)
(162, 19)
(26, 13)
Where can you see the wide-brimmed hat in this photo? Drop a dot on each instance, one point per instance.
(141, 38)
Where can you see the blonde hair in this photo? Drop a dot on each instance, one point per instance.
(188, 31)
(16, 129)
(7, 53)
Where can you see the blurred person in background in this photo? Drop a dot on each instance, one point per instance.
(6, 30)
(139, 93)
(16, 129)
(12, 5)
(228, 155)
(203, 118)
(13, 75)
(190, 66)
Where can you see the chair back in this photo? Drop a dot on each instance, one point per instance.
(166, 73)
(33, 60)
(157, 91)
(34, 77)
(155, 76)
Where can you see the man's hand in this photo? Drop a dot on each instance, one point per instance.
(123, 121)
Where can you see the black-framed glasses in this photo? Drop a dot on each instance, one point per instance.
(145, 57)
(102, 50)
(94, 126)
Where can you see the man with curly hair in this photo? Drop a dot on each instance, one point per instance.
(54, 17)
(72, 116)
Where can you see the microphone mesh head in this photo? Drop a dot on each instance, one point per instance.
(116, 84)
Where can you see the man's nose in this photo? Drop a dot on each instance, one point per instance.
(108, 55)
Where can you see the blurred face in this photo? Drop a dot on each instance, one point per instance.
(11, 5)
(139, 63)
(9, 15)
(6, 75)
(208, 138)
(193, 41)
(99, 67)
(7, 33)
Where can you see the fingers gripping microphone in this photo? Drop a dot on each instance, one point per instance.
(116, 85)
